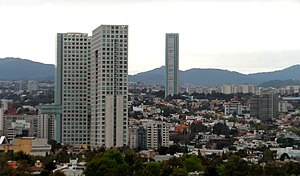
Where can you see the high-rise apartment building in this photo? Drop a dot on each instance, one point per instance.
(72, 88)
(150, 134)
(264, 107)
(109, 74)
(46, 126)
(137, 137)
(172, 64)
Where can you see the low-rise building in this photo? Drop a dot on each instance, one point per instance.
(28, 145)
(233, 107)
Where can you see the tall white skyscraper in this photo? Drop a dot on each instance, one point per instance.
(109, 74)
(72, 88)
(172, 64)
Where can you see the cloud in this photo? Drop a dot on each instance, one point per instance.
(38, 2)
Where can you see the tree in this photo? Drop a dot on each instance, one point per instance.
(57, 173)
(220, 128)
(268, 155)
(111, 162)
(152, 169)
(174, 149)
(134, 162)
(179, 172)
(169, 165)
(284, 156)
(291, 168)
(255, 170)
(162, 150)
(273, 169)
(192, 163)
(236, 166)
(220, 169)
(44, 173)
(197, 127)
(54, 145)
(175, 162)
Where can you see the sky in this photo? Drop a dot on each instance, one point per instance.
(247, 36)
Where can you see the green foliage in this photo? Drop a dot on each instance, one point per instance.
(292, 168)
(192, 163)
(57, 173)
(285, 142)
(169, 166)
(152, 169)
(236, 166)
(273, 169)
(175, 148)
(284, 156)
(162, 150)
(111, 162)
(44, 173)
(114, 163)
(220, 128)
(196, 127)
(268, 156)
(255, 170)
(179, 172)
(220, 169)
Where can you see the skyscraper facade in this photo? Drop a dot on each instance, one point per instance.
(172, 64)
(72, 88)
(264, 107)
(109, 75)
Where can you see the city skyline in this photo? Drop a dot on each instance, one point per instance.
(240, 36)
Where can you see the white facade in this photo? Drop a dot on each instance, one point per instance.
(25, 125)
(157, 133)
(109, 93)
(72, 85)
(246, 88)
(40, 147)
(5, 104)
(46, 126)
(228, 89)
(1, 122)
(284, 106)
(231, 107)
(172, 64)
(288, 150)
(133, 137)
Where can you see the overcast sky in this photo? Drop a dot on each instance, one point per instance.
(240, 35)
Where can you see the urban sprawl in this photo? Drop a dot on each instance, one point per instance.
(92, 121)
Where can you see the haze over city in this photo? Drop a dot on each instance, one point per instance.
(245, 36)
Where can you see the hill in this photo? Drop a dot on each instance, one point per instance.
(215, 77)
(279, 83)
(23, 69)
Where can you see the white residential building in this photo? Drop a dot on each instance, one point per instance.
(157, 133)
(233, 107)
(109, 93)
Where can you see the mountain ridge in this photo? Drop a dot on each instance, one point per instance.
(12, 68)
(215, 77)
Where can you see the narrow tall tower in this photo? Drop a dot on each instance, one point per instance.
(109, 75)
(172, 64)
(72, 88)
